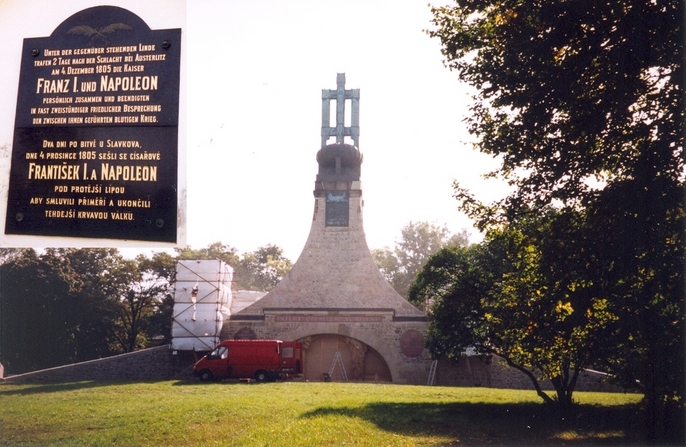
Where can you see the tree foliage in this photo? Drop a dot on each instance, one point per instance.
(160, 273)
(640, 268)
(418, 241)
(214, 251)
(583, 104)
(570, 91)
(100, 287)
(263, 268)
(37, 312)
(258, 270)
(143, 292)
(70, 305)
(521, 297)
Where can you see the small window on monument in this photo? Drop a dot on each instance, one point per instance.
(337, 209)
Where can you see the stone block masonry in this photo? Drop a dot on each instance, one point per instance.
(162, 363)
(151, 364)
(492, 372)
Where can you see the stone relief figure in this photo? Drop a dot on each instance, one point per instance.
(357, 352)
(305, 342)
(245, 333)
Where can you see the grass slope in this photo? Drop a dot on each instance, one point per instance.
(302, 414)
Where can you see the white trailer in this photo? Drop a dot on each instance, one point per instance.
(202, 301)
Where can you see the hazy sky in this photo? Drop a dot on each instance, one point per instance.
(255, 71)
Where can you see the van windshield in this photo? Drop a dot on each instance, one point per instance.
(221, 352)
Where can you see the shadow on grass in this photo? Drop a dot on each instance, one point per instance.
(12, 389)
(197, 382)
(501, 424)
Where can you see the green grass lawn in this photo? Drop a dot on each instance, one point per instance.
(303, 414)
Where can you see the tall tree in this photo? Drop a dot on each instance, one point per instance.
(216, 250)
(161, 265)
(522, 298)
(138, 300)
(570, 91)
(581, 100)
(38, 312)
(262, 269)
(640, 269)
(418, 241)
(96, 299)
(10, 254)
(160, 269)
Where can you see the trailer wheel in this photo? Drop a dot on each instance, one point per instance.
(206, 375)
(261, 376)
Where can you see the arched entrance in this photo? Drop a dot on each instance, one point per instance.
(361, 362)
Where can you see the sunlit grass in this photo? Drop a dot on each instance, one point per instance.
(300, 414)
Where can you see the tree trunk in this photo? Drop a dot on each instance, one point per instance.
(534, 380)
(564, 387)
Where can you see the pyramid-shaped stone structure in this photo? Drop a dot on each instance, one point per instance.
(334, 299)
(336, 270)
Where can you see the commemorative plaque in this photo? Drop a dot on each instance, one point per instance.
(95, 150)
(337, 213)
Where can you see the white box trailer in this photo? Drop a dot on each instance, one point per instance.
(202, 300)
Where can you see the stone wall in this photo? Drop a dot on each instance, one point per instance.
(152, 364)
(492, 372)
(161, 363)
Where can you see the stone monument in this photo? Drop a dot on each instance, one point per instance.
(334, 300)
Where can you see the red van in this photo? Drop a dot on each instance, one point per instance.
(259, 359)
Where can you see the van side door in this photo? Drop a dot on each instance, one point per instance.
(218, 362)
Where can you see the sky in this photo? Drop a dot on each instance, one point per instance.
(254, 74)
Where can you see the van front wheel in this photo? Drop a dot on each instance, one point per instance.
(206, 375)
(261, 376)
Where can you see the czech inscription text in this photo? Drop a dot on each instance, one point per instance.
(51, 164)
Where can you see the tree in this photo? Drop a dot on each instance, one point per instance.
(640, 270)
(70, 305)
(216, 250)
(161, 265)
(570, 91)
(111, 319)
(418, 241)
(10, 254)
(37, 312)
(139, 298)
(522, 298)
(95, 300)
(262, 269)
(451, 285)
(160, 271)
(581, 100)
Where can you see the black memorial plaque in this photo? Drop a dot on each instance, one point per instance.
(95, 151)
(337, 213)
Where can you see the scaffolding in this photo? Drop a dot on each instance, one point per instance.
(202, 301)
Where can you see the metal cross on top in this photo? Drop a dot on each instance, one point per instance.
(340, 95)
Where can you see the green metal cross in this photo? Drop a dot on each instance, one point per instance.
(340, 95)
